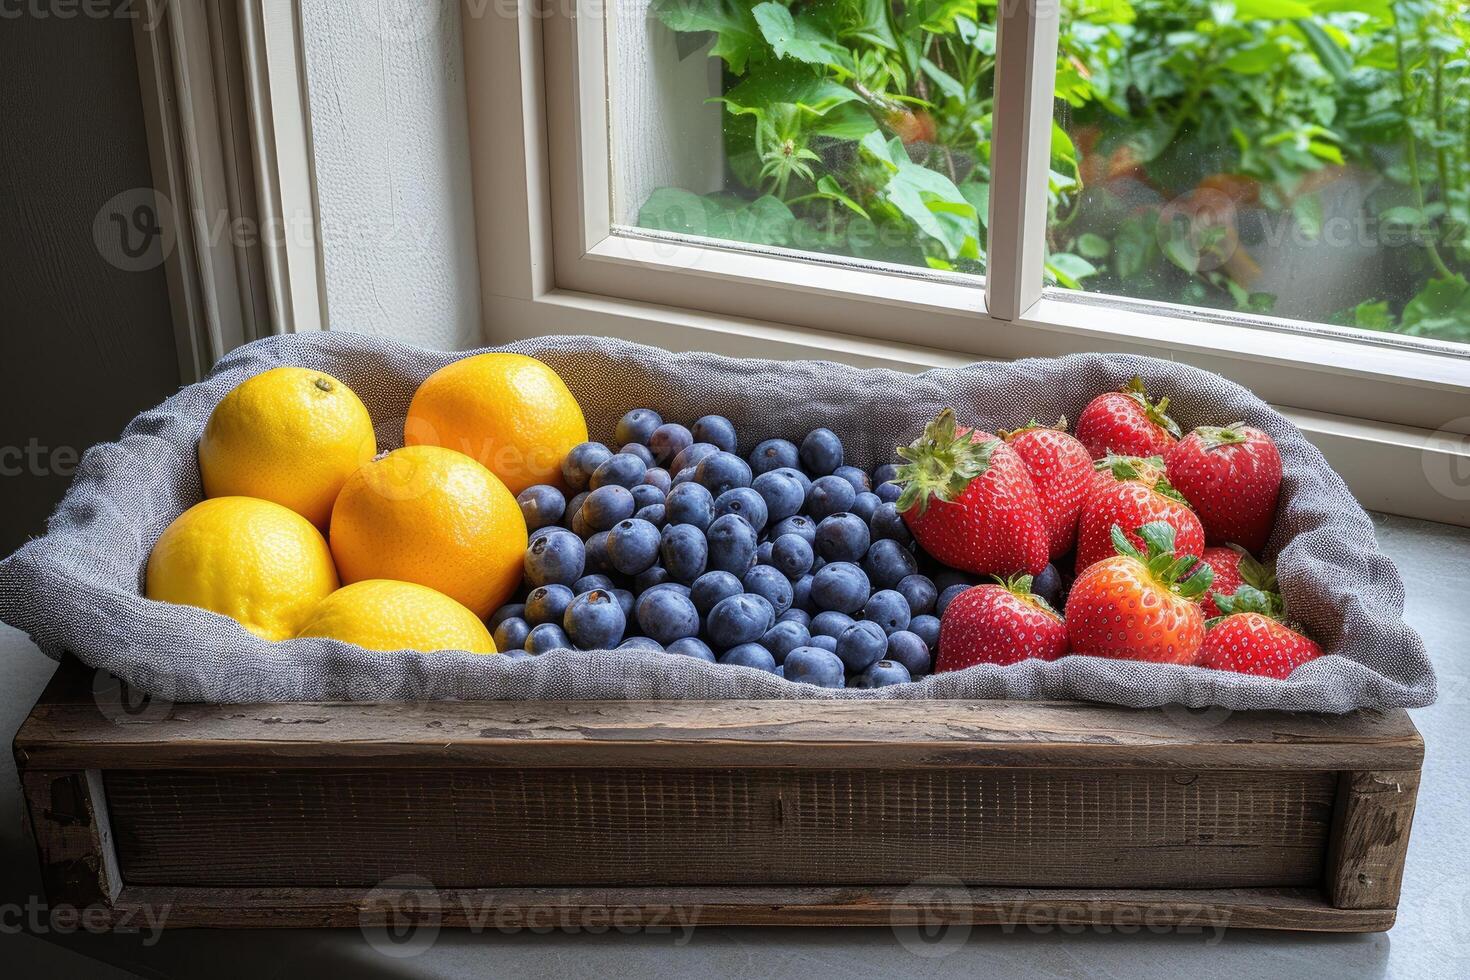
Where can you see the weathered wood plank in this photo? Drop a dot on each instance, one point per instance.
(1011, 909)
(1370, 838)
(69, 823)
(850, 734)
(618, 827)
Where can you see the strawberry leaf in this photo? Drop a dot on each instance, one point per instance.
(941, 463)
(1125, 547)
(1159, 537)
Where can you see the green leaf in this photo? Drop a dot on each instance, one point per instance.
(927, 198)
(850, 121)
(1441, 309)
(946, 82)
(790, 39)
(1093, 246)
(1070, 269)
(1255, 60)
(785, 82)
(1329, 53)
(1271, 9)
(738, 36)
(828, 188)
(1411, 217)
(1370, 315)
(1307, 210)
(1133, 247)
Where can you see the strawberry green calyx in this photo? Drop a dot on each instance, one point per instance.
(941, 463)
(1157, 412)
(1259, 575)
(1148, 470)
(1248, 599)
(1009, 434)
(1167, 569)
(1020, 587)
(1217, 437)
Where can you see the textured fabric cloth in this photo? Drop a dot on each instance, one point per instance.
(79, 588)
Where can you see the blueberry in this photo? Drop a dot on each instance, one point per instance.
(840, 585)
(686, 475)
(799, 525)
(606, 506)
(657, 476)
(722, 471)
(829, 495)
(889, 563)
(946, 577)
(633, 546)
(690, 503)
(801, 593)
(861, 644)
(784, 637)
(919, 592)
(731, 545)
(653, 514)
(763, 552)
(579, 525)
(746, 503)
(886, 473)
(715, 429)
(684, 551)
(581, 460)
(650, 578)
(798, 616)
(597, 558)
(690, 457)
(887, 525)
(821, 452)
(813, 665)
(678, 587)
(541, 505)
(798, 476)
(738, 619)
(1048, 585)
(842, 537)
(864, 505)
(889, 609)
(855, 476)
(926, 628)
(637, 426)
(947, 596)
(556, 557)
(517, 609)
(547, 636)
(909, 649)
(830, 623)
(828, 643)
(888, 493)
(634, 449)
(542, 532)
(773, 454)
(668, 441)
(645, 495)
(574, 507)
(511, 634)
(624, 470)
(884, 673)
(589, 582)
(692, 646)
(772, 583)
(625, 600)
(792, 554)
(750, 655)
(666, 615)
(783, 494)
(595, 620)
(641, 643)
(711, 587)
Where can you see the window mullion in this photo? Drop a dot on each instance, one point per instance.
(1020, 154)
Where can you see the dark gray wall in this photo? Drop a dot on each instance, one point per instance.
(84, 345)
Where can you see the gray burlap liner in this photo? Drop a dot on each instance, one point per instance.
(78, 588)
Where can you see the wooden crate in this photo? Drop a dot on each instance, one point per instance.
(736, 812)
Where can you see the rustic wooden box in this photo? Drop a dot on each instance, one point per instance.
(786, 813)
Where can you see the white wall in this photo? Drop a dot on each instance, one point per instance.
(385, 81)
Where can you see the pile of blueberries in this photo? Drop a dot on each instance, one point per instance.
(787, 561)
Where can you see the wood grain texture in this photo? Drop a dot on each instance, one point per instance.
(69, 823)
(563, 827)
(1011, 909)
(1370, 838)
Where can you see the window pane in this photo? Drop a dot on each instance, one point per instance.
(1304, 158)
(850, 127)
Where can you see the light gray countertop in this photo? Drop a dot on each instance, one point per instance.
(1431, 938)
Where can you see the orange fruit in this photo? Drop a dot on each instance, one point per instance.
(509, 411)
(378, 614)
(434, 517)
(288, 435)
(255, 561)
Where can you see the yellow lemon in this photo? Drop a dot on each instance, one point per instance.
(378, 614)
(289, 435)
(435, 517)
(509, 411)
(257, 562)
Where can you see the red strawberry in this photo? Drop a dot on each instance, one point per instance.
(1112, 470)
(1061, 471)
(1250, 639)
(1133, 503)
(969, 502)
(1137, 605)
(1127, 423)
(1232, 476)
(1233, 567)
(999, 624)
